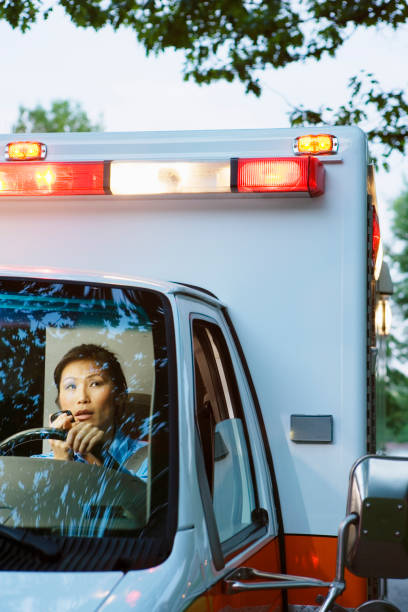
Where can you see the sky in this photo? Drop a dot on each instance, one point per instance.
(110, 75)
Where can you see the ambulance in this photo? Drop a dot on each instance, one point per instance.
(237, 279)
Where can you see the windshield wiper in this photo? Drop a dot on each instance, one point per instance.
(44, 545)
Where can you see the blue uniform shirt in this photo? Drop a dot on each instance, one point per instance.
(122, 448)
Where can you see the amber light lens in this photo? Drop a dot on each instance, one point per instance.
(315, 144)
(60, 178)
(281, 174)
(18, 151)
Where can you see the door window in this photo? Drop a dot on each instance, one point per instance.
(222, 431)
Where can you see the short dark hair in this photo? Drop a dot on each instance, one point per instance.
(107, 361)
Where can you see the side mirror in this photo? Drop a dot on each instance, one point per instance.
(372, 538)
(377, 543)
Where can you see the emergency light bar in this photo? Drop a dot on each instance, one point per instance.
(252, 175)
(302, 175)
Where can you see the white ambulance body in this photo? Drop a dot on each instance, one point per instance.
(291, 263)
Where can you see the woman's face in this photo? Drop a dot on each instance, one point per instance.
(87, 391)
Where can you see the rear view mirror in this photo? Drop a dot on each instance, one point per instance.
(377, 543)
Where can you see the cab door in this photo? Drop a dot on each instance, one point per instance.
(232, 464)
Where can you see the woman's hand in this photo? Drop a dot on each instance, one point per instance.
(60, 448)
(81, 438)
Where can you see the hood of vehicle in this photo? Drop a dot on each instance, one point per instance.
(168, 587)
(51, 591)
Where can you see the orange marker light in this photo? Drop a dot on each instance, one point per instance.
(21, 151)
(315, 144)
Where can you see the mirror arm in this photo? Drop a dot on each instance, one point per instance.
(338, 585)
(233, 582)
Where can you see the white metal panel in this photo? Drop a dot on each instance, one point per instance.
(55, 591)
(292, 272)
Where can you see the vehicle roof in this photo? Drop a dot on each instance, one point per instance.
(182, 144)
(90, 276)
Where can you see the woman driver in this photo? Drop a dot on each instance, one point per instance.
(92, 387)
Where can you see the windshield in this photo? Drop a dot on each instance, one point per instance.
(85, 368)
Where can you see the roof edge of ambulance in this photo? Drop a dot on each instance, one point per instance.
(177, 144)
(91, 276)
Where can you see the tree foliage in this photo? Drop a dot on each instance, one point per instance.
(225, 39)
(399, 257)
(397, 387)
(62, 116)
(384, 115)
(236, 39)
(397, 405)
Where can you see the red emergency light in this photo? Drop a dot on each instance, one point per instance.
(278, 174)
(376, 235)
(62, 178)
(376, 250)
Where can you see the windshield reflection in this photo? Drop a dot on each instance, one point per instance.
(86, 369)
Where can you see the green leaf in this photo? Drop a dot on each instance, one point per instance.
(62, 116)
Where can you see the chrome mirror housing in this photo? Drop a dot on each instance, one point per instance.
(377, 543)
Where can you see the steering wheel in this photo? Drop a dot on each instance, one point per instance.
(29, 435)
(51, 433)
